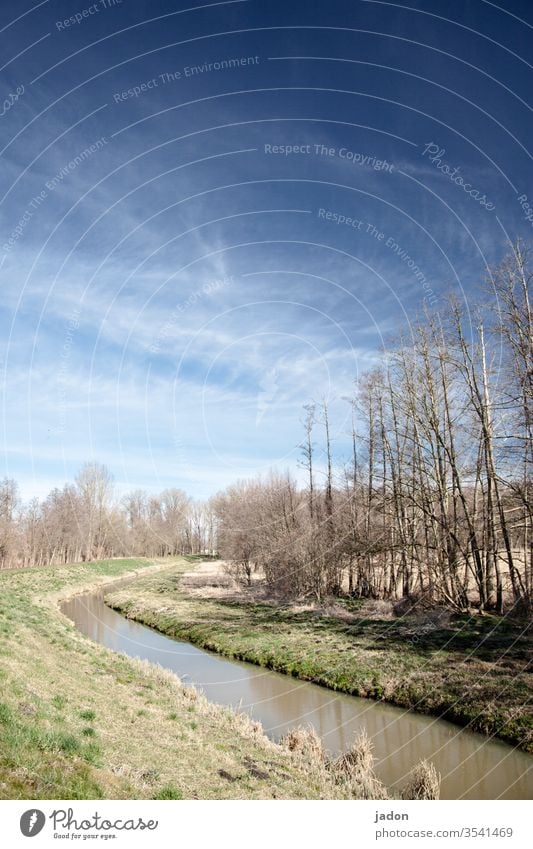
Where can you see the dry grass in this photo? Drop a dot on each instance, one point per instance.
(423, 782)
(355, 770)
(213, 580)
(304, 742)
(203, 582)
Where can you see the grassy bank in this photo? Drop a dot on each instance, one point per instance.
(79, 721)
(472, 670)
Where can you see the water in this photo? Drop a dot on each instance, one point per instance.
(471, 766)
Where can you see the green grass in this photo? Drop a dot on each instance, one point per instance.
(473, 672)
(168, 793)
(44, 763)
(89, 715)
(78, 721)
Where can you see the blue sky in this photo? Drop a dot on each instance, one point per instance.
(212, 214)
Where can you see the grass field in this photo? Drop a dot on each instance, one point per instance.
(78, 721)
(471, 669)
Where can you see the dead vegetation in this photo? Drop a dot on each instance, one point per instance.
(353, 771)
(423, 782)
(304, 742)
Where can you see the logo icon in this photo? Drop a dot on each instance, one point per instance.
(32, 822)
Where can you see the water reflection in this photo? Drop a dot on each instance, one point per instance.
(472, 767)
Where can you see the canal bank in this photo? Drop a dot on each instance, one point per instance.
(348, 655)
(78, 721)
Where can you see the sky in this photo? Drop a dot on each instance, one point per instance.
(213, 214)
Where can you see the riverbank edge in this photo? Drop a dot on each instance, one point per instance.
(46, 708)
(206, 637)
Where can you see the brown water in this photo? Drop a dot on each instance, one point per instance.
(472, 766)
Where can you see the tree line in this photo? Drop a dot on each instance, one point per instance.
(85, 521)
(435, 499)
